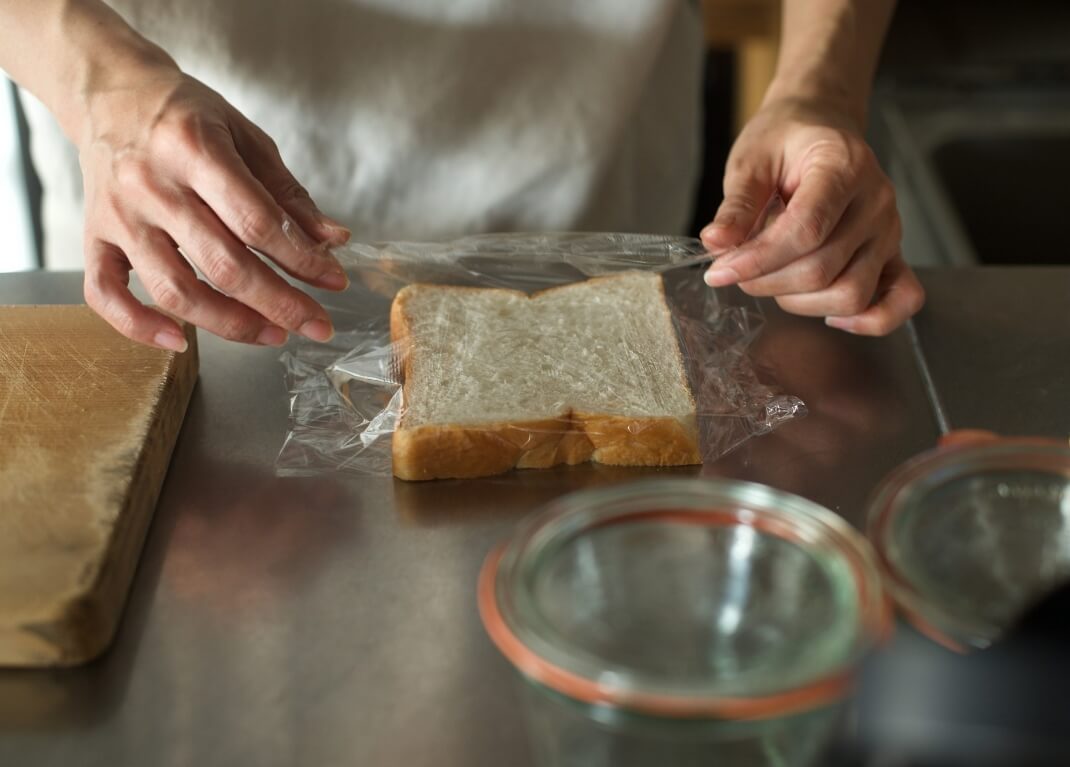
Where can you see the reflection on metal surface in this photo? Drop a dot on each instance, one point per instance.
(996, 344)
(858, 391)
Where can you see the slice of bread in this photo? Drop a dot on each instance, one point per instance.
(494, 379)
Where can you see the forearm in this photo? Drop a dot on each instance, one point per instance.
(829, 51)
(65, 51)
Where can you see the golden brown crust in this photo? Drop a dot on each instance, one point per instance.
(440, 451)
(620, 441)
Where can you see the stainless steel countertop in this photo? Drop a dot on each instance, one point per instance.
(997, 341)
(332, 621)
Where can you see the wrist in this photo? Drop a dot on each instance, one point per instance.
(104, 56)
(819, 92)
(828, 54)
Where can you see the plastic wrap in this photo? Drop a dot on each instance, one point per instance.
(347, 398)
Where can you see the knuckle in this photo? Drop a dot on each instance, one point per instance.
(236, 327)
(225, 271)
(257, 134)
(111, 310)
(120, 319)
(843, 161)
(833, 150)
(852, 299)
(816, 275)
(255, 226)
(736, 204)
(182, 132)
(191, 133)
(760, 264)
(172, 293)
(886, 199)
(863, 159)
(292, 191)
(738, 163)
(269, 144)
(289, 312)
(133, 173)
(811, 229)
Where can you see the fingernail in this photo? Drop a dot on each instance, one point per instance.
(334, 279)
(719, 276)
(272, 335)
(317, 330)
(841, 323)
(169, 339)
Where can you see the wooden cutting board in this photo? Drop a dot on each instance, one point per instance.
(88, 420)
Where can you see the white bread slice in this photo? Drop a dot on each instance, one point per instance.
(494, 379)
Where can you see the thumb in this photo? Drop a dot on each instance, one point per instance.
(746, 195)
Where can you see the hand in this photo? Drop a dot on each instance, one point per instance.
(834, 252)
(168, 164)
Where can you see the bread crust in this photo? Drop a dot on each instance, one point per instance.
(441, 451)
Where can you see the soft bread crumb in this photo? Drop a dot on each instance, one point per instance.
(494, 379)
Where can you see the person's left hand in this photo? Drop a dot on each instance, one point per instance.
(834, 251)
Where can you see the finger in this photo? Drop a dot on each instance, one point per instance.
(851, 293)
(107, 291)
(818, 270)
(174, 287)
(261, 154)
(812, 214)
(238, 273)
(899, 297)
(747, 190)
(253, 216)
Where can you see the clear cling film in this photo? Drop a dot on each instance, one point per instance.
(498, 352)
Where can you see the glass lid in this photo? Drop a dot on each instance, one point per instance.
(970, 537)
(686, 598)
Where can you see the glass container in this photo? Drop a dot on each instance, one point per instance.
(683, 622)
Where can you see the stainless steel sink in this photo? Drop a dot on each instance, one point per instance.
(1011, 195)
(981, 175)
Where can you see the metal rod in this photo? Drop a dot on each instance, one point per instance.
(939, 412)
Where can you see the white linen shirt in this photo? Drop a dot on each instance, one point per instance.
(430, 119)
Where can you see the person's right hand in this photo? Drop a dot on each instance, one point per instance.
(168, 164)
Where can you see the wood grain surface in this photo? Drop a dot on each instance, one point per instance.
(88, 421)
